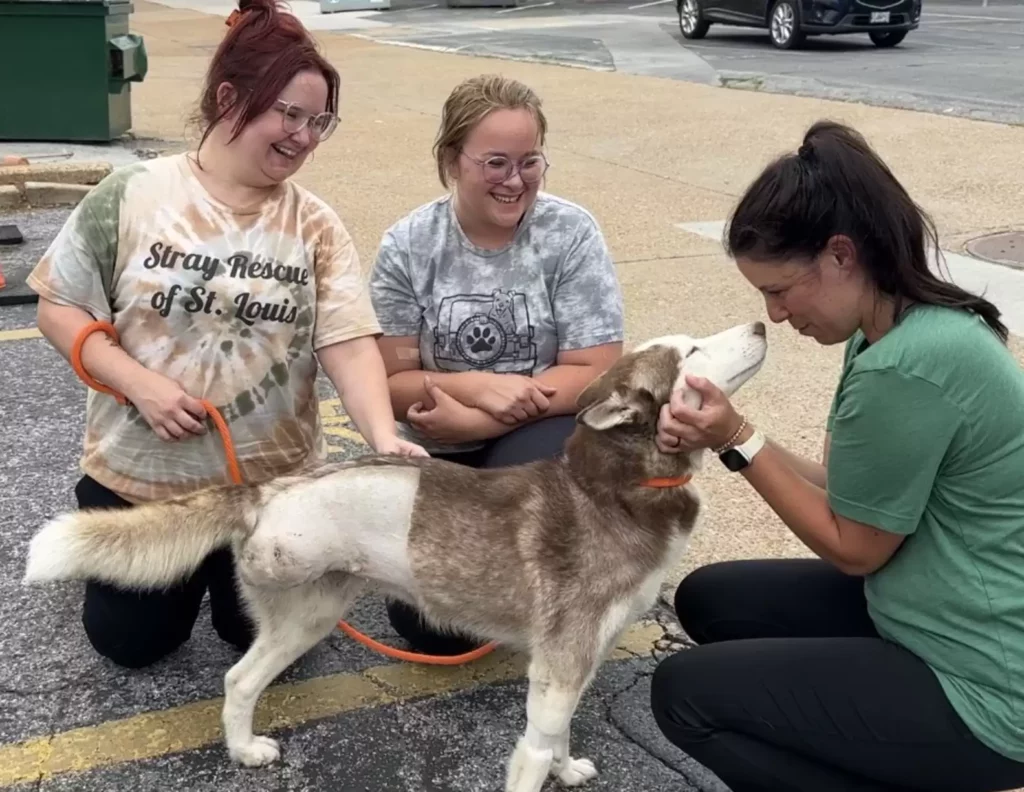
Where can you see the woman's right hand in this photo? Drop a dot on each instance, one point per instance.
(511, 398)
(170, 412)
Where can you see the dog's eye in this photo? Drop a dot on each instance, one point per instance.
(693, 349)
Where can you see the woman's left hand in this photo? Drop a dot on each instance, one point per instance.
(682, 428)
(393, 444)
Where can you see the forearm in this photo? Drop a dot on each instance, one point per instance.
(800, 504)
(406, 387)
(103, 359)
(356, 370)
(812, 471)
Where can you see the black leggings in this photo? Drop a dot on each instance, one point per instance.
(538, 440)
(792, 690)
(137, 628)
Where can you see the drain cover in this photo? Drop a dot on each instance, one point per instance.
(1005, 248)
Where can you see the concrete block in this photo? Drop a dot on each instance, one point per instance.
(10, 196)
(54, 194)
(56, 172)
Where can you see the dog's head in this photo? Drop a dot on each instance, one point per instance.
(630, 394)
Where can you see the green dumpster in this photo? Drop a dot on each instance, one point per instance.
(67, 68)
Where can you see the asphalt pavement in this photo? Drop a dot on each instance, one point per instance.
(966, 59)
(659, 162)
(348, 718)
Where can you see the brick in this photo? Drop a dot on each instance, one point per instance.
(56, 172)
(10, 196)
(51, 194)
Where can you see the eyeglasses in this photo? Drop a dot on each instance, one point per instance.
(500, 169)
(294, 119)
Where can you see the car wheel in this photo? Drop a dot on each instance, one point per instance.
(887, 38)
(784, 25)
(691, 21)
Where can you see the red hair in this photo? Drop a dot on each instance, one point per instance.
(263, 50)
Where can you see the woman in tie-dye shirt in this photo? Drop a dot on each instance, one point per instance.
(228, 282)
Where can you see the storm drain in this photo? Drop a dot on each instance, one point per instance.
(1004, 248)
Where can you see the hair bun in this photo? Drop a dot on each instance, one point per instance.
(247, 6)
(806, 151)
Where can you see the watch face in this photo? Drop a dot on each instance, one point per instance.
(733, 460)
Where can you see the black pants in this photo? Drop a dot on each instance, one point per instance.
(792, 690)
(137, 628)
(541, 439)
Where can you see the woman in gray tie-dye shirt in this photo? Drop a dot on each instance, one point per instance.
(499, 303)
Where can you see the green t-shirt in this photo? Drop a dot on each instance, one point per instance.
(928, 440)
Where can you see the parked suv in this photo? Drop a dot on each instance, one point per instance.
(789, 22)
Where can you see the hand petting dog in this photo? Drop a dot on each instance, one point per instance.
(682, 429)
(396, 445)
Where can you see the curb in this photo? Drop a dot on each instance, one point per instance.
(10, 196)
(54, 194)
(56, 173)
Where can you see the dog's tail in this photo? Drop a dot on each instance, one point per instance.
(147, 546)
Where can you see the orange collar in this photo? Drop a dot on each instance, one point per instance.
(665, 482)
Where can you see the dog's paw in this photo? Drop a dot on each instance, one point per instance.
(577, 772)
(261, 751)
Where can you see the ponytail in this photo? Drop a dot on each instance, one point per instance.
(836, 184)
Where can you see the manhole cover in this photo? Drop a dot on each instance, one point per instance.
(1005, 248)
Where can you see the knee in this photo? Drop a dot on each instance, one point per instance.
(676, 686)
(694, 600)
(131, 645)
(237, 629)
(411, 625)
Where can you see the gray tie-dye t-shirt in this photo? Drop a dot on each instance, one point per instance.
(511, 310)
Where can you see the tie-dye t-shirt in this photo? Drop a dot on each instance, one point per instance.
(232, 305)
(511, 310)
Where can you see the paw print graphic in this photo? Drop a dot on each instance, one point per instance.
(481, 340)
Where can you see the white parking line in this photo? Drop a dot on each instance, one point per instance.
(1004, 286)
(525, 7)
(926, 14)
(652, 3)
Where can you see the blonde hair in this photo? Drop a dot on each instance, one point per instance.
(468, 104)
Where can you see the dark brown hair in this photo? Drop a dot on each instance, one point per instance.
(263, 50)
(836, 184)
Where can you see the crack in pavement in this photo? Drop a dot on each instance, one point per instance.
(663, 258)
(645, 172)
(610, 717)
(45, 691)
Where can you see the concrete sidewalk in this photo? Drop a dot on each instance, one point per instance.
(645, 155)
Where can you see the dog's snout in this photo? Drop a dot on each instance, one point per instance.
(759, 329)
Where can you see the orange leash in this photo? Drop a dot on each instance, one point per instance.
(236, 477)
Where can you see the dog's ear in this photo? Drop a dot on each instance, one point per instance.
(614, 410)
(590, 394)
(617, 409)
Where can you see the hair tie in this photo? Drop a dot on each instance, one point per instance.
(806, 151)
(236, 15)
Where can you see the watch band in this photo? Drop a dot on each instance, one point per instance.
(738, 457)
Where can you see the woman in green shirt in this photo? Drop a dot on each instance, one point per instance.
(894, 660)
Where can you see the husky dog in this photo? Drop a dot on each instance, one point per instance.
(554, 558)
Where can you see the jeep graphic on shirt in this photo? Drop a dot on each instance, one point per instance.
(477, 331)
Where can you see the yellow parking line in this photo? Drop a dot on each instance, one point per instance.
(20, 334)
(195, 725)
(337, 424)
